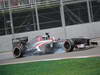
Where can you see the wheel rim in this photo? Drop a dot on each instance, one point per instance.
(17, 52)
(67, 45)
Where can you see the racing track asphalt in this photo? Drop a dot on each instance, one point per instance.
(7, 58)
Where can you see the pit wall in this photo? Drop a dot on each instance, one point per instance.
(90, 30)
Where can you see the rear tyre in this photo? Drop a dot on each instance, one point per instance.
(69, 45)
(19, 51)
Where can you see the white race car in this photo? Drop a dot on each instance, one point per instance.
(39, 45)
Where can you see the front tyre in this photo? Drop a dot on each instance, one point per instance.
(69, 45)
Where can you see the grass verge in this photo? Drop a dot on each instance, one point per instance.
(83, 66)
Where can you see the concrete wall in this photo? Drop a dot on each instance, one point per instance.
(6, 42)
(91, 30)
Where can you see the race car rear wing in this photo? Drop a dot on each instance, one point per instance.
(15, 41)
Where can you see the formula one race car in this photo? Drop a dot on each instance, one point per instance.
(80, 43)
(38, 45)
(43, 45)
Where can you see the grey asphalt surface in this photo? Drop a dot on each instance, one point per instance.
(7, 58)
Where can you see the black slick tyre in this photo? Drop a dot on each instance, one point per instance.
(18, 53)
(69, 45)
